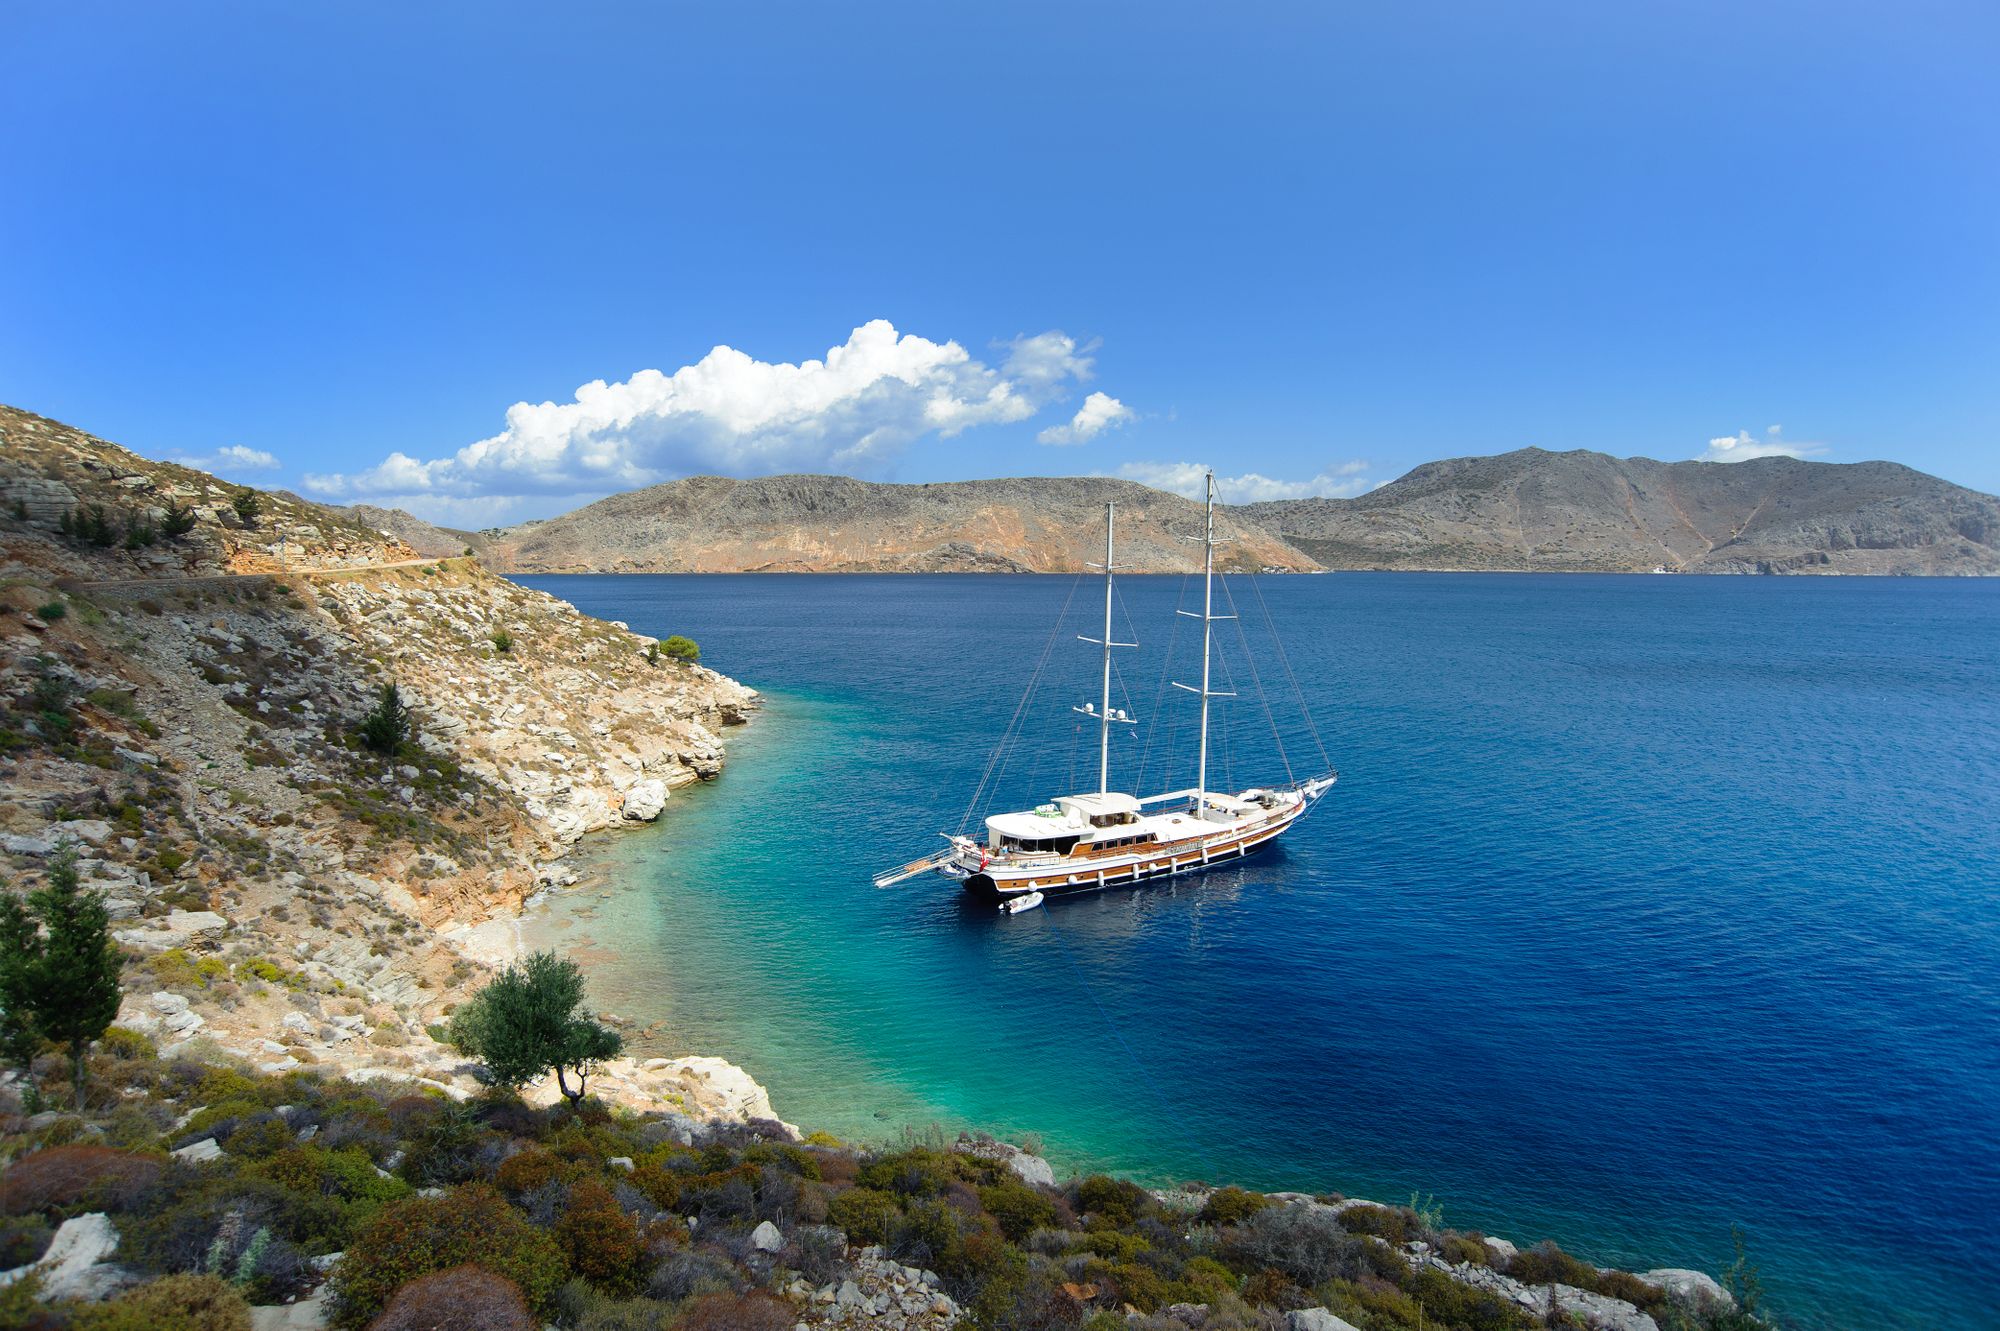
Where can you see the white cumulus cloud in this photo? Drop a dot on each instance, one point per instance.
(867, 400)
(1099, 412)
(1340, 481)
(230, 458)
(1741, 447)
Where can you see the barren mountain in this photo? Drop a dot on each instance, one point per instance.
(710, 524)
(430, 541)
(1578, 511)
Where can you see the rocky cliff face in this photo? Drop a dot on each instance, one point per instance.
(184, 711)
(824, 524)
(1582, 511)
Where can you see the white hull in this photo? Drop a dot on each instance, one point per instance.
(1185, 844)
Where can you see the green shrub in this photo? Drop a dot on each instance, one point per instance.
(53, 611)
(1546, 1264)
(23, 1239)
(1392, 1224)
(1018, 1208)
(121, 1043)
(920, 1172)
(1231, 1206)
(173, 1303)
(1458, 1248)
(420, 1235)
(865, 1213)
(1116, 1200)
(503, 641)
(681, 649)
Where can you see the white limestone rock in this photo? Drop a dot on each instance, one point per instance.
(766, 1238)
(200, 1152)
(645, 800)
(181, 928)
(76, 1266)
(1316, 1319)
(1029, 1168)
(1694, 1289)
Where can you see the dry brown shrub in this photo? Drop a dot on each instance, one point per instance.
(465, 1298)
(755, 1311)
(65, 1175)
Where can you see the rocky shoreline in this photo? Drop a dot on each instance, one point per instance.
(297, 899)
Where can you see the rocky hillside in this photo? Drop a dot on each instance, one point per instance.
(184, 706)
(420, 536)
(1583, 511)
(829, 524)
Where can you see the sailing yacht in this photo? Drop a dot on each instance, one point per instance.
(1107, 838)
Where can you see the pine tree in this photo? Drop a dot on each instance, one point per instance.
(20, 960)
(59, 971)
(387, 727)
(179, 519)
(248, 505)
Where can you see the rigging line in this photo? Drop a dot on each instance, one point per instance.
(1257, 680)
(1312, 727)
(1167, 1107)
(1160, 691)
(1006, 736)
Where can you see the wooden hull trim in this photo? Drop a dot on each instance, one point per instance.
(1059, 881)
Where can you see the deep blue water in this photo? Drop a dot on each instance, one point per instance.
(1645, 907)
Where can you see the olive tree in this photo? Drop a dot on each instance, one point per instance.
(530, 1021)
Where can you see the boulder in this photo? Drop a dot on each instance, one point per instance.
(94, 830)
(766, 1238)
(75, 1265)
(1029, 1168)
(27, 845)
(1316, 1319)
(196, 1153)
(645, 800)
(312, 1313)
(1694, 1289)
(181, 928)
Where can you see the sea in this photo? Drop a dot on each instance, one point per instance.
(1648, 911)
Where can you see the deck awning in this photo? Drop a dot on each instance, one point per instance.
(1098, 806)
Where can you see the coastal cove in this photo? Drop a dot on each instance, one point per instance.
(1645, 907)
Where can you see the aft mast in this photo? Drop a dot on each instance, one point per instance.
(1103, 711)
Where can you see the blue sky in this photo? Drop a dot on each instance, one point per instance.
(330, 246)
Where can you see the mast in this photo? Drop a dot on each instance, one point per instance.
(1207, 631)
(1101, 711)
(1104, 708)
(1208, 618)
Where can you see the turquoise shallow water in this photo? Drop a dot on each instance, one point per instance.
(1645, 907)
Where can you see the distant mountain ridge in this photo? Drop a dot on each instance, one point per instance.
(1583, 511)
(1528, 510)
(713, 524)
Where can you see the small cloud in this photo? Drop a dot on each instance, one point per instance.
(1099, 412)
(1340, 481)
(230, 458)
(1741, 447)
